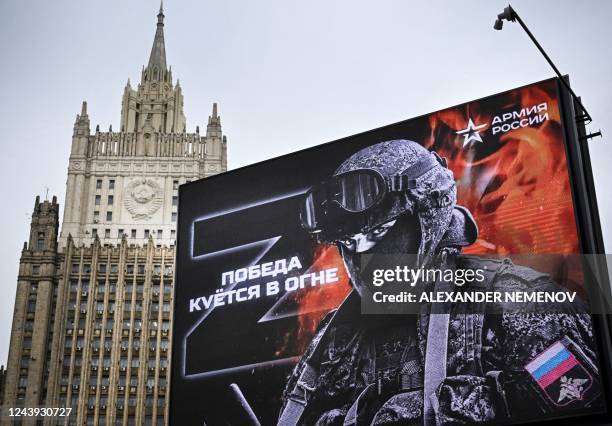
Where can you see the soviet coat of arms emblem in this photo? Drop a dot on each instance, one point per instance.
(143, 197)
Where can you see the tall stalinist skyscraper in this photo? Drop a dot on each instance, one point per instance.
(92, 321)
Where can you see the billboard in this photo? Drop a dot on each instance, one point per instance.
(268, 324)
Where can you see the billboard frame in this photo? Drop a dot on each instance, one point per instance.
(588, 227)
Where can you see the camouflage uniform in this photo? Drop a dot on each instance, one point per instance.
(373, 369)
(379, 360)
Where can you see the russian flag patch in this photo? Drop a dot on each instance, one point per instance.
(560, 374)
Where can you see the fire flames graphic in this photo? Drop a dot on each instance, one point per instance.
(516, 184)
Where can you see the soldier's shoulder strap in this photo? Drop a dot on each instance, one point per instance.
(496, 269)
(491, 268)
(306, 382)
(474, 318)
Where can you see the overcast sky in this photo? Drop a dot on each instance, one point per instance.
(286, 74)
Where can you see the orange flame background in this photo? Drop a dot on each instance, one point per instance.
(519, 194)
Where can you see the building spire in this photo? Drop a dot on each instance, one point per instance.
(158, 52)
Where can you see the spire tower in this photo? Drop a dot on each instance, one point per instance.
(157, 60)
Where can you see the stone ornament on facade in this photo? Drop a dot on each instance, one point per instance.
(143, 198)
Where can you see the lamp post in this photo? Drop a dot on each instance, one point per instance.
(510, 15)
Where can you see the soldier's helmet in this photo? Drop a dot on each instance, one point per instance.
(383, 182)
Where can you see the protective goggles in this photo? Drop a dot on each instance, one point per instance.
(339, 202)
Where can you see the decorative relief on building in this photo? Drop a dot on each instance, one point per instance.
(143, 198)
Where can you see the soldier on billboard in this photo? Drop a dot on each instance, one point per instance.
(446, 367)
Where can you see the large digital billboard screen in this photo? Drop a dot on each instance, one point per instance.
(268, 322)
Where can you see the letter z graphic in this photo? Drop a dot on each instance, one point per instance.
(224, 241)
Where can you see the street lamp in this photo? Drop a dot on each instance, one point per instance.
(510, 15)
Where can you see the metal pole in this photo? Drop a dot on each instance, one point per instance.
(586, 117)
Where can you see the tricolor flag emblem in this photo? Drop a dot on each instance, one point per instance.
(559, 373)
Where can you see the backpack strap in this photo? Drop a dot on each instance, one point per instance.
(297, 399)
(436, 350)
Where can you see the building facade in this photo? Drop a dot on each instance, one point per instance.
(93, 310)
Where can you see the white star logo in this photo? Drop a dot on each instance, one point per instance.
(471, 133)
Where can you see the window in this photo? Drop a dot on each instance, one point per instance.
(107, 233)
(175, 200)
(40, 242)
(31, 306)
(120, 233)
(97, 201)
(109, 216)
(133, 233)
(160, 233)
(146, 233)
(96, 216)
(173, 234)
(110, 200)
(175, 184)
(94, 232)
(111, 184)
(102, 268)
(36, 270)
(174, 216)
(99, 184)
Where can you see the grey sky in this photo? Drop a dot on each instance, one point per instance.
(286, 74)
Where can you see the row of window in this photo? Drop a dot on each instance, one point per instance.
(105, 381)
(131, 401)
(114, 268)
(123, 363)
(134, 233)
(153, 325)
(165, 325)
(111, 184)
(109, 201)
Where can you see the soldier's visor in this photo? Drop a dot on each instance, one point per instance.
(334, 202)
(352, 192)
